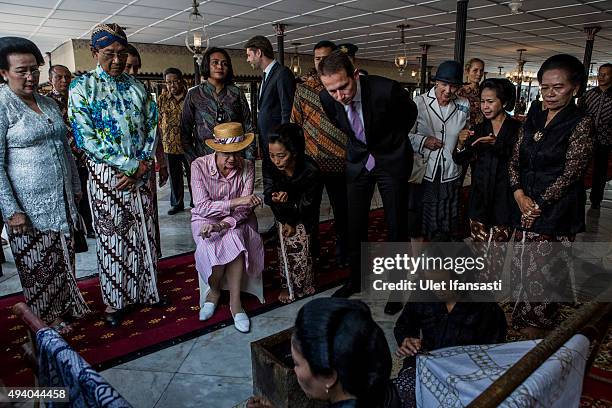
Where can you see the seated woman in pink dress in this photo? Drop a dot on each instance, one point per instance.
(229, 252)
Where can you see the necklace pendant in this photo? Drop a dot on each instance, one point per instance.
(538, 136)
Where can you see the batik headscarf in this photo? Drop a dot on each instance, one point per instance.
(104, 35)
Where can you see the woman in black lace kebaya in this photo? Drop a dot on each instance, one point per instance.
(546, 175)
(293, 188)
(488, 149)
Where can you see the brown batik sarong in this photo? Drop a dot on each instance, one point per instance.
(295, 262)
(491, 243)
(45, 263)
(125, 234)
(540, 262)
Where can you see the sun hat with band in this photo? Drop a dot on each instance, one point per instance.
(229, 137)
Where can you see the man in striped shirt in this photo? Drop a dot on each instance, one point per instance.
(326, 144)
(598, 104)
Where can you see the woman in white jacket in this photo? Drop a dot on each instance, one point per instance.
(442, 115)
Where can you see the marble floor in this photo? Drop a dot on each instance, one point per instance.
(214, 370)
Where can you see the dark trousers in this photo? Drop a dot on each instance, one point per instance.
(83, 207)
(335, 185)
(394, 194)
(2, 258)
(177, 164)
(601, 154)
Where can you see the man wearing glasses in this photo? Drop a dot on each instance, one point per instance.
(114, 121)
(170, 104)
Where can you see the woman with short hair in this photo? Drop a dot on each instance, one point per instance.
(39, 185)
(442, 115)
(546, 175)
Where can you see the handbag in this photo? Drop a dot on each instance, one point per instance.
(419, 162)
(419, 167)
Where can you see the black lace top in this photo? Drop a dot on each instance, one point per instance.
(549, 163)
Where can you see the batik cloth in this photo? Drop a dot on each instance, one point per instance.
(45, 263)
(170, 111)
(455, 376)
(125, 238)
(491, 243)
(541, 269)
(295, 262)
(472, 95)
(60, 366)
(325, 143)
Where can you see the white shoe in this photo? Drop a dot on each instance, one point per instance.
(207, 311)
(242, 322)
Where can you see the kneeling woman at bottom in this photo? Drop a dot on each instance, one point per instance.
(340, 356)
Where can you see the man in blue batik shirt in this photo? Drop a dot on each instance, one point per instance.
(114, 121)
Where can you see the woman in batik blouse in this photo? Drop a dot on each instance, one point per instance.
(546, 175)
(474, 71)
(39, 183)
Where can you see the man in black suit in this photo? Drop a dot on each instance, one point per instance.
(275, 94)
(377, 115)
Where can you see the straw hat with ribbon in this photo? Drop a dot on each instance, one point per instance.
(229, 137)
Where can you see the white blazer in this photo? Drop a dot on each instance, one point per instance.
(445, 129)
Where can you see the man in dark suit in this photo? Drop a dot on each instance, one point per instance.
(377, 115)
(275, 94)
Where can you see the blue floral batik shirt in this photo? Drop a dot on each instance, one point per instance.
(114, 119)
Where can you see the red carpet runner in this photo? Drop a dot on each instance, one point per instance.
(149, 329)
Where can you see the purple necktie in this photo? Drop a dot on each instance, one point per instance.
(357, 126)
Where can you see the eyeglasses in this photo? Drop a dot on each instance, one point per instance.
(177, 82)
(113, 55)
(216, 63)
(34, 72)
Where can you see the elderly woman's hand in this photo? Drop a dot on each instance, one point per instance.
(252, 200)
(433, 143)
(18, 224)
(208, 229)
(529, 209)
(526, 204)
(288, 230)
(280, 197)
(409, 347)
(125, 182)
